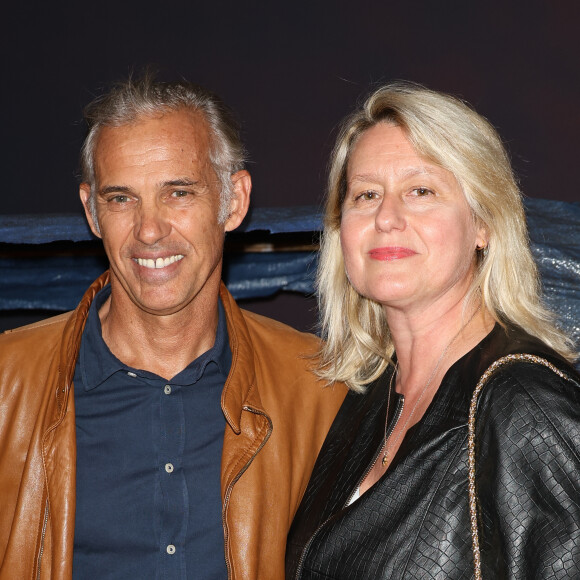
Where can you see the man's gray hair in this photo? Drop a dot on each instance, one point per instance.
(133, 99)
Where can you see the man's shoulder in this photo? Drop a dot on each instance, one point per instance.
(27, 358)
(285, 362)
(37, 333)
(275, 334)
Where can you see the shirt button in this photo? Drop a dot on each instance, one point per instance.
(169, 467)
(132, 374)
(171, 549)
(167, 389)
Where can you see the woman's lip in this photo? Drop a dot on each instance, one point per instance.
(391, 253)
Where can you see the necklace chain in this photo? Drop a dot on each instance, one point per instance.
(386, 445)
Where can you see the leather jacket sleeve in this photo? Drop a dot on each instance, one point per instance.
(528, 474)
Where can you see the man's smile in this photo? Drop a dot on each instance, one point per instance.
(158, 262)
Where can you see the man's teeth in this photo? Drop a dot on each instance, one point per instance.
(159, 262)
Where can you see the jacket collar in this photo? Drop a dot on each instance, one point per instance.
(240, 389)
(72, 336)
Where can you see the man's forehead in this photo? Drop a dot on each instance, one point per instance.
(183, 126)
(178, 136)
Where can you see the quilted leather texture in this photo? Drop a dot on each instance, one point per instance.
(414, 523)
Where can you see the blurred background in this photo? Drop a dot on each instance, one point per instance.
(291, 71)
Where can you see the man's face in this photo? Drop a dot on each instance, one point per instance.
(157, 204)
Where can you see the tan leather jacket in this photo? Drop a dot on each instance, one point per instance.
(277, 417)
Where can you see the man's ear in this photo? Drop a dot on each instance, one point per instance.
(240, 202)
(85, 195)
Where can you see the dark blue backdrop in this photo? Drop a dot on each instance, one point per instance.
(56, 281)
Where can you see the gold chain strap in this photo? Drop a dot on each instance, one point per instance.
(471, 443)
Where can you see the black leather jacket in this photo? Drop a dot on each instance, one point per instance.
(414, 522)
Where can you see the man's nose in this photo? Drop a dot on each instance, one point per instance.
(151, 224)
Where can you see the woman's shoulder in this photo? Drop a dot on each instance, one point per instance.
(526, 439)
(508, 349)
(528, 398)
(527, 362)
(537, 377)
(526, 385)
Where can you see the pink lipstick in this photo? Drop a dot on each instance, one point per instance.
(391, 253)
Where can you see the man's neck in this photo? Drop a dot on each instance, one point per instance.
(163, 345)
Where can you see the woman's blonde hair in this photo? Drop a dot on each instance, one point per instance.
(446, 131)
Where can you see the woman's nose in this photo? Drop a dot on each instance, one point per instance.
(390, 215)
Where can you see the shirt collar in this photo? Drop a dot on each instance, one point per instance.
(98, 363)
(219, 353)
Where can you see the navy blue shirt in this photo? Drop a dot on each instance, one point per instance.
(148, 463)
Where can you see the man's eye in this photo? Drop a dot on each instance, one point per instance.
(119, 199)
(180, 193)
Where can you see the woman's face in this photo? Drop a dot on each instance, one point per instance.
(407, 233)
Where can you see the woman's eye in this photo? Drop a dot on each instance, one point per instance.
(422, 191)
(366, 196)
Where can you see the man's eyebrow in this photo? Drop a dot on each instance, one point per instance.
(114, 189)
(182, 182)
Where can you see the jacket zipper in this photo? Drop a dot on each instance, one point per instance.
(397, 416)
(234, 481)
(44, 524)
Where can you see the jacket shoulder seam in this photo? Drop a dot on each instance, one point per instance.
(54, 320)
